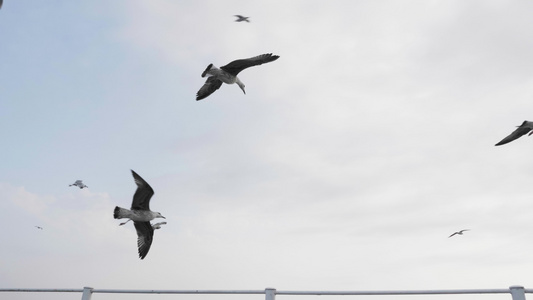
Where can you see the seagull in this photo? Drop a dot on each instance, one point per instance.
(228, 73)
(140, 214)
(38, 227)
(240, 18)
(523, 129)
(460, 232)
(79, 184)
(158, 225)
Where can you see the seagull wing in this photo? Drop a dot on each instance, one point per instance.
(210, 86)
(452, 234)
(237, 66)
(520, 131)
(145, 235)
(141, 198)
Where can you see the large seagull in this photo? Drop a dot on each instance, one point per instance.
(523, 129)
(228, 73)
(140, 214)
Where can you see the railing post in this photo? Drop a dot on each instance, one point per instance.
(518, 292)
(270, 294)
(87, 293)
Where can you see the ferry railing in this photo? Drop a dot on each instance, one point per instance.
(517, 292)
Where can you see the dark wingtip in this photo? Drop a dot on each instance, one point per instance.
(207, 70)
(502, 142)
(134, 174)
(115, 212)
(273, 57)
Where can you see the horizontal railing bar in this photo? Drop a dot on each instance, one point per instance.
(248, 292)
(400, 292)
(177, 291)
(43, 290)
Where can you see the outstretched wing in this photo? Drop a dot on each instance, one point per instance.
(145, 236)
(452, 234)
(141, 198)
(520, 131)
(210, 86)
(237, 66)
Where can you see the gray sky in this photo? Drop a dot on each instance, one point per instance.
(346, 166)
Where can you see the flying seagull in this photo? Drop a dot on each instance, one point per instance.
(140, 214)
(228, 73)
(239, 18)
(158, 225)
(79, 184)
(523, 129)
(460, 232)
(38, 227)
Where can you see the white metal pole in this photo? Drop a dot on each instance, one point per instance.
(87, 293)
(270, 294)
(518, 292)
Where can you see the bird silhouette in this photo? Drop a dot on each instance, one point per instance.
(460, 232)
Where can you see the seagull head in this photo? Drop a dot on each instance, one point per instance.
(158, 215)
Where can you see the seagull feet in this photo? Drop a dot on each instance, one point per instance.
(124, 223)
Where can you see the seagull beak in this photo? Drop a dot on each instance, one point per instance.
(163, 217)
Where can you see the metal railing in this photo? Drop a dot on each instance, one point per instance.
(517, 292)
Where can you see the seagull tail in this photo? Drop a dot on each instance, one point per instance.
(120, 212)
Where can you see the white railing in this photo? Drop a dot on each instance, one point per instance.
(517, 292)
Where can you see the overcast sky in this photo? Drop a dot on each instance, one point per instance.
(346, 166)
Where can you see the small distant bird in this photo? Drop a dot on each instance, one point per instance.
(228, 73)
(460, 232)
(523, 129)
(38, 227)
(140, 214)
(79, 184)
(241, 18)
(158, 225)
